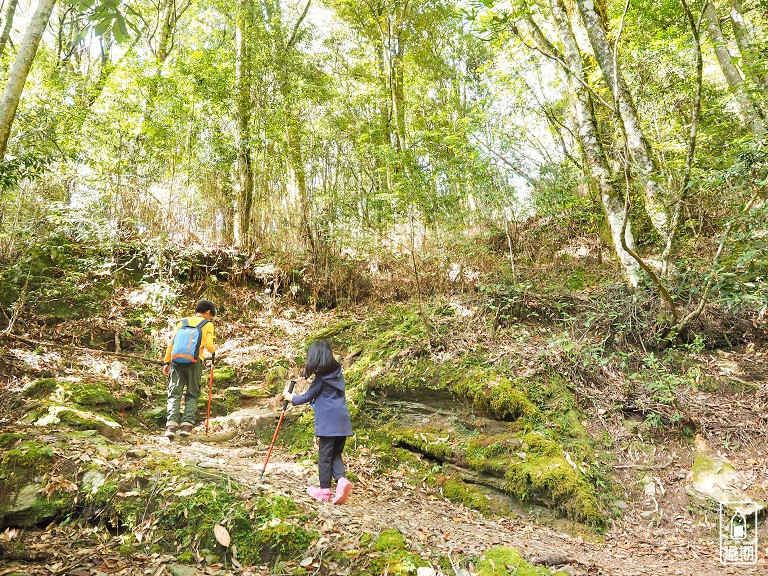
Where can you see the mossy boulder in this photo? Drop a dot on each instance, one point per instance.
(714, 479)
(41, 388)
(22, 479)
(75, 418)
(176, 507)
(543, 473)
(224, 376)
(155, 416)
(505, 561)
(276, 379)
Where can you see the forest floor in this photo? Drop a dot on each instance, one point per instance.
(674, 540)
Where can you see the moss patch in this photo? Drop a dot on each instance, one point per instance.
(224, 376)
(394, 556)
(504, 561)
(177, 507)
(41, 388)
(9, 439)
(527, 429)
(23, 463)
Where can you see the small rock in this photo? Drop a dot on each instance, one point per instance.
(182, 570)
(620, 504)
(93, 480)
(425, 571)
(552, 559)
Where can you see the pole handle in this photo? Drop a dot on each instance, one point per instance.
(291, 386)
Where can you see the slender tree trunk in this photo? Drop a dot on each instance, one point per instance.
(594, 156)
(398, 94)
(384, 109)
(749, 53)
(8, 15)
(299, 173)
(666, 255)
(244, 153)
(642, 154)
(20, 70)
(167, 26)
(749, 112)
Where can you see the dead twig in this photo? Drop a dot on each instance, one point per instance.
(37, 343)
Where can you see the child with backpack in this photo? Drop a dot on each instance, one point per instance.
(183, 364)
(332, 422)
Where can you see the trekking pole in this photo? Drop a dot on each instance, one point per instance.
(210, 392)
(280, 421)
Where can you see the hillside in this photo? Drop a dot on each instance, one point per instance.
(478, 426)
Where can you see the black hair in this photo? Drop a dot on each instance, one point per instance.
(320, 359)
(205, 306)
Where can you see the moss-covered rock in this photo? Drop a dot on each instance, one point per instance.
(714, 479)
(179, 506)
(531, 437)
(77, 419)
(10, 438)
(505, 561)
(155, 416)
(224, 376)
(41, 388)
(22, 478)
(276, 379)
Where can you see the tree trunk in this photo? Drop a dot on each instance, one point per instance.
(398, 93)
(167, 26)
(243, 97)
(642, 154)
(20, 70)
(749, 112)
(592, 150)
(299, 173)
(749, 52)
(10, 11)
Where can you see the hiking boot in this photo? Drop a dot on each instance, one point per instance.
(321, 494)
(186, 429)
(343, 488)
(170, 430)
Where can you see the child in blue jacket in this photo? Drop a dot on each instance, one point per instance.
(332, 422)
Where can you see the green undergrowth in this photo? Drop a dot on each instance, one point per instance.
(167, 507)
(523, 429)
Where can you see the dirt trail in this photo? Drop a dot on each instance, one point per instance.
(434, 526)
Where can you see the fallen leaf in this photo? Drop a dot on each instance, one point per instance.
(222, 535)
(306, 561)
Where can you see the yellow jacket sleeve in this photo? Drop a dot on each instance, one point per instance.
(208, 340)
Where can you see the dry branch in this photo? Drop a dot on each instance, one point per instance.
(80, 348)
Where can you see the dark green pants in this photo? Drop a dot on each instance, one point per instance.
(184, 380)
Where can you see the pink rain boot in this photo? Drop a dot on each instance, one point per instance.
(343, 488)
(321, 494)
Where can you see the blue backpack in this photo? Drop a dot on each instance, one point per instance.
(186, 343)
